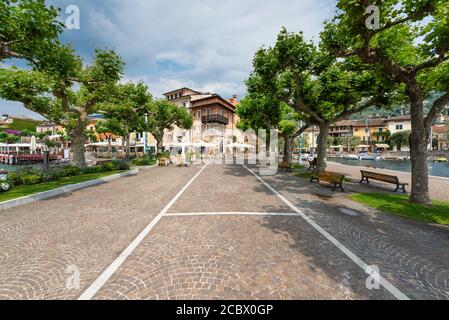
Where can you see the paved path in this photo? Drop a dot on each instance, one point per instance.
(438, 186)
(215, 233)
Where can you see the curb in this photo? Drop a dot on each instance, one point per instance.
(141, 168)
(59, 191)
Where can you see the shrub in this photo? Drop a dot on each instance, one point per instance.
(121, 165)
(14, 179)
(52, 175)
(107, 166)
(91, 170)
(163, 155)
(30, 179)
(146, 161)
(71, 170)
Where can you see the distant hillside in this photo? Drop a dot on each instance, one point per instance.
(23, 124)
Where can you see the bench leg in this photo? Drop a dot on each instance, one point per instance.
(399, 188)
(339, 186)
(403, 189)
(364, 180)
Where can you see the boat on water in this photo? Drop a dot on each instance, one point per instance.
(351, 157)
(441, 159)
(363, 156)
(366, 156)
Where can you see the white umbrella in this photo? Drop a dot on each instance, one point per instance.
(55, 136)
(240, 145)
(204, 144)
(33, 144)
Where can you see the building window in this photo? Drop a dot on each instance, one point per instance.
(381, 129)
(356, 129)
(399, 127)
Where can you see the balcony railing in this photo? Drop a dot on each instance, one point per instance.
(216, 118)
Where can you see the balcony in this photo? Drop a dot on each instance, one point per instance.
(216, 118)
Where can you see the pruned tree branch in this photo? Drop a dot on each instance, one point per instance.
(436, 109)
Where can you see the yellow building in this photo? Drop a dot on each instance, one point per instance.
(371, 131)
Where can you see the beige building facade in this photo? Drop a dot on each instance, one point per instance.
(214, 118)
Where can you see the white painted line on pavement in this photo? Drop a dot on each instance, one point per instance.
(104, 277)
(193, 214)
(359, 262)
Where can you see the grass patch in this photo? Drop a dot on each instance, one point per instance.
(22, 191)
(399, 205)
(23, 124)
(297, 166)
(305, 175)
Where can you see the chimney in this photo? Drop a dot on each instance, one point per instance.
(234, 100)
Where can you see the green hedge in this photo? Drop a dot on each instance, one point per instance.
(145, 161)
(32, 176)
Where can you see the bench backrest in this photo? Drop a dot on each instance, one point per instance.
(380, 176)
(329, 176)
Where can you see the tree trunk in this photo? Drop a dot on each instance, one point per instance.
(78, 138)
(322, 146)
(110, 145)
(160, 139)
(128, 148)
(287, 149)
(419, 140)
(159, 146)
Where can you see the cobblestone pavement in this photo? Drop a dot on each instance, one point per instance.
(87, 228)
(236, 257)
(412, 255)
(193, 252)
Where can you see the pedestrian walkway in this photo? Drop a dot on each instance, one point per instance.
(215, 232)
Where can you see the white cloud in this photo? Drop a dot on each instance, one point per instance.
(215, 40)
(204, 44)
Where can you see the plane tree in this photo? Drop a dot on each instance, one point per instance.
(322, 90)
(265, 106)
(27, 28)
(409, 42)
(125, 111)
(163, 116)
(64, 90)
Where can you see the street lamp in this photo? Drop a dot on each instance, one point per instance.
(145, 148)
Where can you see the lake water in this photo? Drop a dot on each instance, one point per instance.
(440, 169)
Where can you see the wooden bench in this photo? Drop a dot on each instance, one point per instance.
(312, 164)
(285, 166)
(334, 178)
(366, 175)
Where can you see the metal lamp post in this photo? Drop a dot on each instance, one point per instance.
(146, 135)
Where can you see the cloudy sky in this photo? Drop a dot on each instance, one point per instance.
(207, 45)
